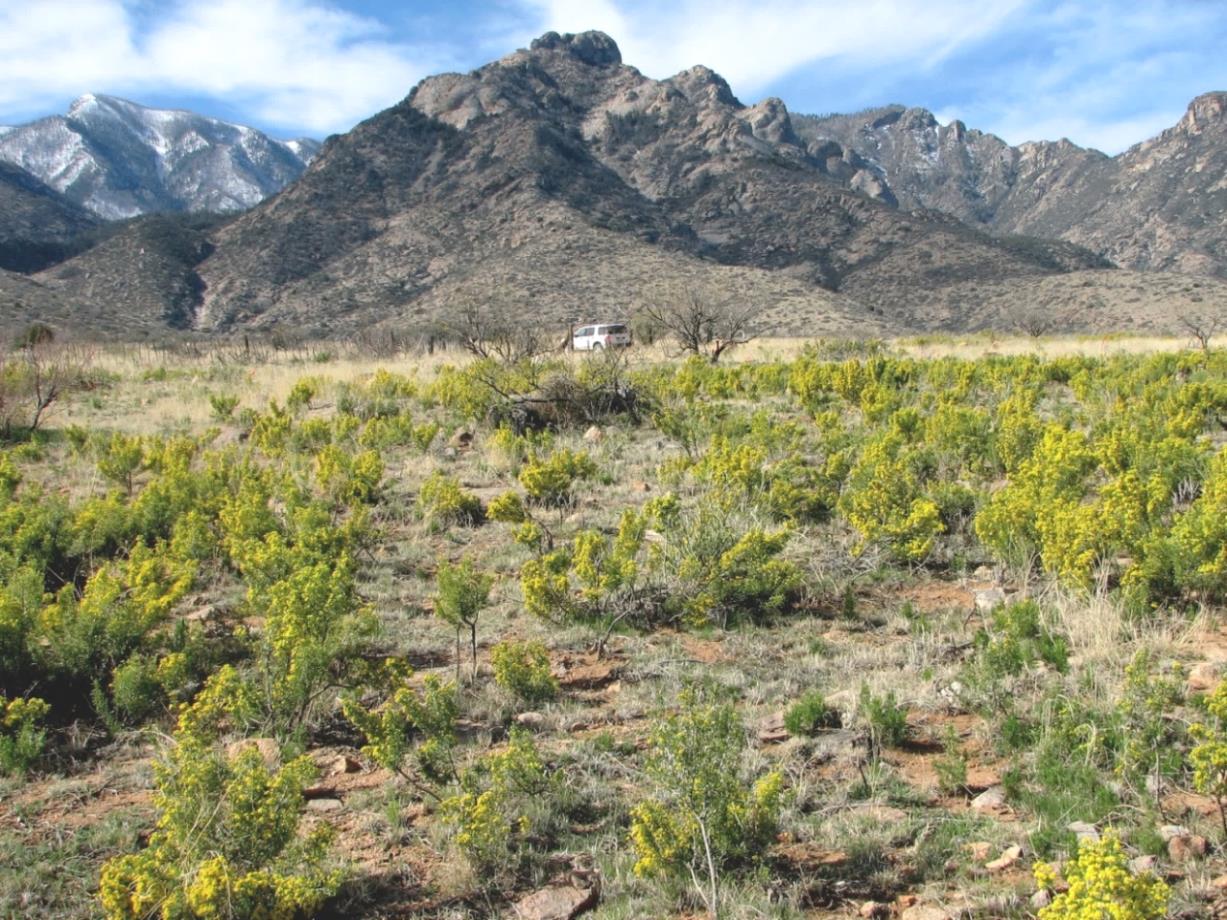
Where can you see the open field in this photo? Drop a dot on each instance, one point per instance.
(825, 630)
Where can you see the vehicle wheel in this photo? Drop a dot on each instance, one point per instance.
(597, 346)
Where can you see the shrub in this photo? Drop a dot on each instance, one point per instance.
(884, 718)
(21, 737)
(704, 816)
(492, 812)
(227, 842)
(523, 669)
(1101, 885)
(443, 502)
(1015, 639)
(550, 481)
(418, 722)
(809, 715)
(315, 628)
(1209, 757)
(223, 406)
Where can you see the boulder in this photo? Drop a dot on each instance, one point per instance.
(557, 902)
(1187, 848)
(990, 799)
(1008, 858)
(989, 599)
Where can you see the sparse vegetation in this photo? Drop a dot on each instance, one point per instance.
(946, 575)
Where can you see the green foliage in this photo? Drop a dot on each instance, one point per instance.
(21, 736)
(120, 458)
(314, 628)
(417, 724)
(1015, 638)
(951, 766)
(704, 816)
(809, 715)
(1209, 757)
(884, 501)
(884, 718)
(462, 594)
(223, 406)
(442, 502)
(523, 669)
(1154, 741)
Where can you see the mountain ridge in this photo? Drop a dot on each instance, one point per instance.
(120, 159)
(558, 182)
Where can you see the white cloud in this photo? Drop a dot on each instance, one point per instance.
(288, 62)
(754, 43)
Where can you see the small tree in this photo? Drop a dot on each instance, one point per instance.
(462, 594)
(705, 328)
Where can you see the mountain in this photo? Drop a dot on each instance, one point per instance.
(560, 181)
(560, 184)
(1160, 205)
(118, 159)
(38, 225)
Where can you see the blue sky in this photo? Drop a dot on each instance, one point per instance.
(1104, 73)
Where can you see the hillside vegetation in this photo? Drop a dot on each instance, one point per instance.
(850, 632)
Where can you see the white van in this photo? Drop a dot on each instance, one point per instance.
(594, 338)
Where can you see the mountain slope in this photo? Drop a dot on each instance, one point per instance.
(38, 226)
(119, 159)
(539, 149)
(1161, 205)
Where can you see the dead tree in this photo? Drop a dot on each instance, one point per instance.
(1202, 327)
(490, 333)
(701, 327)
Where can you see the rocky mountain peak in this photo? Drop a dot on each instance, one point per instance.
(1207, 109)
(594, 48)
(702, 83)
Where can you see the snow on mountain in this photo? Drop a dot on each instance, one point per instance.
(119, 159)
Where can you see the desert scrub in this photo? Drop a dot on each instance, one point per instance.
(1209, 757)
(523, 669)
(704, 817)
(884, 719)
(1101, 885)
(227, 843)
(413, 732)
(443, 502)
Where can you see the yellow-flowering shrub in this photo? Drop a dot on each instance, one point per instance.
(227, 843)
(704, 816)
(21, 737)
(523, 668)
(1102, 886)
(493, 813)
(442, 502)
(549, 481)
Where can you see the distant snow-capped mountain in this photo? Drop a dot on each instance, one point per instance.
(119, 159)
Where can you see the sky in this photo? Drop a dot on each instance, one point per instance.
(1103, 73)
